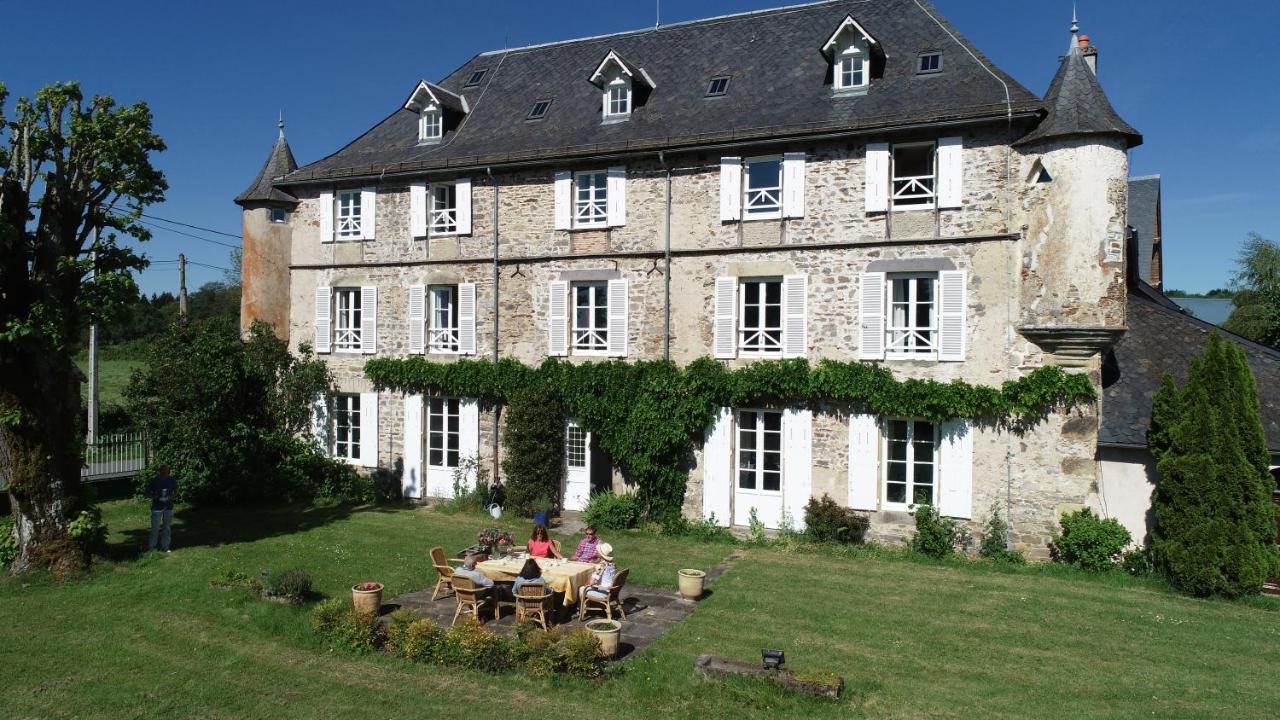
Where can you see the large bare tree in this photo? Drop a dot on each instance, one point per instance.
(69, 165)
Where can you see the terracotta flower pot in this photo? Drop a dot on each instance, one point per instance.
(691, 583)
(607, 632)
(367, 600)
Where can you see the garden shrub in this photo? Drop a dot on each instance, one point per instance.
(826, 520)
(581, 654)
(1088, 541)
(471, 645)
(327, 614)
(534, 439)
(607, 510)
(88, 530)
(468, 496)
(937, 536)
(755, 528)
(345, 627)
(1138, 561)
(538, 651)
(291, 584)
(702, 530)
(995, 534)
(8, 542)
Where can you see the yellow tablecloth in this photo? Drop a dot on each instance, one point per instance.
(565, 577)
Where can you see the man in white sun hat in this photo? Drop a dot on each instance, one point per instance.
(602, 578)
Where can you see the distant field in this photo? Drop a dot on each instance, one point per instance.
(113, 376)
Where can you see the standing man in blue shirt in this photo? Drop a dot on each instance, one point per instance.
(161, 490)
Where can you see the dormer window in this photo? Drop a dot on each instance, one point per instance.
(437, 109)
(623, 87)
(853, 54)
(431, 125)
(851, 68)
(617, 98)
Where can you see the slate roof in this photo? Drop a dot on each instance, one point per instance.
(1143, 217)
(1161, 338)
(780, 87)
(279, 162)
(1078, 106)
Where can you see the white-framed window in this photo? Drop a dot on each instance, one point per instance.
(278, 215)
(591, 198)
(718, 86)
(575, 445)
(442, 215)
(760, 450)
(442, 333)
(914, 175)
(851, 69)
(349, 214)
(347, 333)
(590, 317)
(762, 187)
(912, 324)
(431, 124)
(760, 316)
(617, 97)
(930, 62)
(476, 77)
(443, 432)
(911, 463)
(346, 427)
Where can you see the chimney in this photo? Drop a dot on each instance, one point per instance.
(1089, 52)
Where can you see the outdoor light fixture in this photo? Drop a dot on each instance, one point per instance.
(773, 659)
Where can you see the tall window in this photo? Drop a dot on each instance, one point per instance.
(346, 427)
(851, 69)
(913, 314)
(347, 332)
(443, 334)
(911, 463)
(591, 199)
(591, 317)
(575, 446)
(762, 188)
(442, 432)
(760, 450)
(913, 175)
(760, 327)
(443, 213)
(617, 98)
(432, 124)
(348, 214)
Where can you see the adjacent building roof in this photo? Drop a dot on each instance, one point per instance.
(1144, 218)
(780, 88)
(1077, 105)
(279, 162)
(1162, 338)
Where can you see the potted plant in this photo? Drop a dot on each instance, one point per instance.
(607, 632)
(692, 583)
(493, 539)
(367, 597)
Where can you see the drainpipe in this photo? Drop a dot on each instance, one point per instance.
(496, 277)
(666, 271)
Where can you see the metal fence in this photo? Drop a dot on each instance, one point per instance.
(115, 456)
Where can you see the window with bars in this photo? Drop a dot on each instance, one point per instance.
(347, 320)
(911, 463)
(760, 450)
(348, 214)
(591, 317)
(432, 124)
(591, 199)
(914, 174)
(762, 187)
(617, 102)
(442, 216)
(443, 433)
(346, 427)
(912, 324)
(442, 334)
(575, 446)
(760, 313)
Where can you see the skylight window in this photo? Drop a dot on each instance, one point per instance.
(539, 110)
(930, 62)
(718, 86)
(476, 77)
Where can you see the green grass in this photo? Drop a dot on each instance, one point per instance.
(147, 637)
(113, 376)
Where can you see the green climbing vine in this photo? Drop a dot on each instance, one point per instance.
(647, 414)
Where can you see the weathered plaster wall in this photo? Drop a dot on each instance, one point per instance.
(264, 289)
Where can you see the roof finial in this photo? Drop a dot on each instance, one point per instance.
(1075, 28)
(280, 124)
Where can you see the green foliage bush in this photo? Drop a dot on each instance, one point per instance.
(470, 486)
(1088, 541)
(937, 536)
(8, 542)
(290, 584)
(581, 655)
(471, 645)
(327, 614)
(1138, 561)
(995, 535)
(534, 440)
(607, 510)
(88, 530)
(826, 520)
(703, 530)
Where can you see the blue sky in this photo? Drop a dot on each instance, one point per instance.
(1196, 78)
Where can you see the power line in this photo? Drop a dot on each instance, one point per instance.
(193, 227)
(211, 267)
(190, 235)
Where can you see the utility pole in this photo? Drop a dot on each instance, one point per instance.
(93, 353)
(182, 286)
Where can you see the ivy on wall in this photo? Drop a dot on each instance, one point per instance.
(647, 414)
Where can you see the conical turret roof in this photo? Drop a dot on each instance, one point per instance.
(280, 162)
(1078, 106)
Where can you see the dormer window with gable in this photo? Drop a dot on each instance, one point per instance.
(854, 56)
(617, 97)
(623, 87)
(431, 127)
(439, 111)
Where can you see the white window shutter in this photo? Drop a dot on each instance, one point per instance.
(864, 462)
(950, 172)
(951, 315)
(320, 423)
(326, 217)
(462, 198)
(469, 434)
(795, 323)
(955, 469)
(467, 318)
(564, 199)
(871, 316)
(557, 318)
(618, 318)
(411, 475)
(417, 210)
(793, 185)
(616, 192)
(877, 181)
(730, 188)
(368, 211)
(717, 473)
(324, 319)
(369, 429)
(797, 463)
(417, 319)
(726, 320)
(369, 319)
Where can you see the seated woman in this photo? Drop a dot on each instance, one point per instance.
(602, 579)
(540, 545)
(529, 573)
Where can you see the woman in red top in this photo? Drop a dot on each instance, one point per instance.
(540, 545)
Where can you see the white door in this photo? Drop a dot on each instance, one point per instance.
(758, 470)
(577, 460)
(442, 434)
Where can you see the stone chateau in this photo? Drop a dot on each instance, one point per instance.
(848, 180)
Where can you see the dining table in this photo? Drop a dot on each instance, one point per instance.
(565, 576)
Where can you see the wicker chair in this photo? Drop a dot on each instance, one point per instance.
(531, 602)
(471, 599)
(444, 570)
(613, 599)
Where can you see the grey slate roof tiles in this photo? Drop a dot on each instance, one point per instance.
(1144, 206)
(279, 162)
(1078, 106)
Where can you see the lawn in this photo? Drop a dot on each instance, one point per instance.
(113, 376)
(147, 637)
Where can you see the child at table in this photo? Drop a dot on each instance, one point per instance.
(540, 545)
(531, 572)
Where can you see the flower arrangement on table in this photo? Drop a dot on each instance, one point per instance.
(495, 539)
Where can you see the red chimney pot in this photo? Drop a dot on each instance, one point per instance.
(1084, 41)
